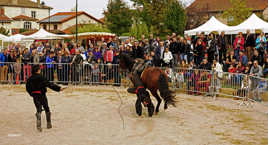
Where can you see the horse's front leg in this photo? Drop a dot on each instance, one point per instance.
(159, 100)
(150, 109)
(138, 107)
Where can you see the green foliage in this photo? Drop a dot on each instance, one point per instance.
(118, 17)
(22, 30)
(125, 34)
(175, 19)
(138, 29)
(161, 16)
(237, 13)
(4, 31)
(152, 12)
(90, 28)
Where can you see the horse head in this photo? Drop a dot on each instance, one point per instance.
(144, 96)
(126, 62)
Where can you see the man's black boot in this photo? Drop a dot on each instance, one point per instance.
(38, 122)
(48, 116)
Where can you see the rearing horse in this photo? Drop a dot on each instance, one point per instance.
(154, 79)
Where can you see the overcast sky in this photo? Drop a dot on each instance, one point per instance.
(93, 7)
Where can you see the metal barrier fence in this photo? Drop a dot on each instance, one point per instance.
(212, 83)
(191, 81)
(63, 73)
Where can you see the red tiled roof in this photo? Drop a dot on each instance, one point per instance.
(71, 16)
(4, 18)
(102, 19)
(221, 5)
(25, 18)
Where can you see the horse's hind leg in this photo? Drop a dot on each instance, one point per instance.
(151, 109)
(159, 100)
(166, 105)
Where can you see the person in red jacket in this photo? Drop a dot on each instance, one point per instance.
(109, 55)
(239, 45)
(232, 69)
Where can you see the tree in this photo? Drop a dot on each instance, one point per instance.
(152, 12)
(139, 28)
(175, 19)
(4, 31)
(237, 13)
(161, 16)
(90, 28)
(118, 17)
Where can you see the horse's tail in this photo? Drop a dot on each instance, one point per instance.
(165, 93)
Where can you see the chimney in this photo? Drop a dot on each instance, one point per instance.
(14, 2)
(2, 11)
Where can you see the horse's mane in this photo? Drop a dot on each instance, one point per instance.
(127, 60)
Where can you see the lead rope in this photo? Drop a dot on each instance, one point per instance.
(119, 108)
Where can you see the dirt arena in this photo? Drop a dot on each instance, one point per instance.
(91, 115)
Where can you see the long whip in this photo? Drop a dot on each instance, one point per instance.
(119, 108)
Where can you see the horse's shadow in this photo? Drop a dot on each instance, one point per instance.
(129, 111)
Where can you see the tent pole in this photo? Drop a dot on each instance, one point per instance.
(232, 39)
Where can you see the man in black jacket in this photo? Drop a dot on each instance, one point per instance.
(36, 86)
(174, 50)
(250, 43)
(76, 67)
(138, 51)
(222, 45)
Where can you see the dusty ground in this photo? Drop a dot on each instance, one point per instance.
(90, 115)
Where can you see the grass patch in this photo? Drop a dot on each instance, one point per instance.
(264, 141)
(218, 108)
(192, 99)
(240, 142)
(242, 118)
(112, 99)
(227, 137)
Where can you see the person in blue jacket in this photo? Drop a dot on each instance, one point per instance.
(50, 60)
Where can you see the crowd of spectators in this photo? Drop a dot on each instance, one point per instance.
(247, 55)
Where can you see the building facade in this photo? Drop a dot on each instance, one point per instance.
(201, 10)
(64, 21)
(22, 15)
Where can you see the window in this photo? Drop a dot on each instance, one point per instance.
(27, 25)
(55, 27)
(14, 31)
(230, 19)
(45, 26)
(33, 14)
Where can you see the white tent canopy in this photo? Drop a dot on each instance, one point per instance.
(42, 34)
(253, 23)
(210, 26)
(15, 38)
(89, 34)
(3, 37)
(96, 33)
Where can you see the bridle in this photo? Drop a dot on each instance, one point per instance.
(145, 103)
